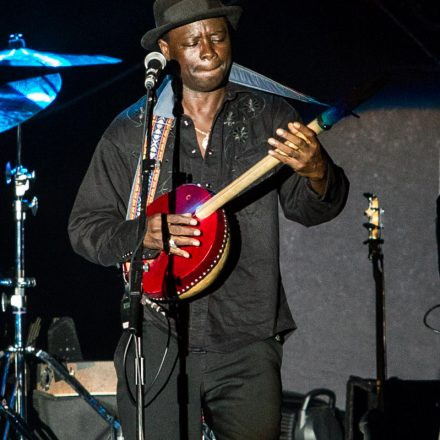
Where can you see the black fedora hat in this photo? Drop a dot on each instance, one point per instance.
(170, 14)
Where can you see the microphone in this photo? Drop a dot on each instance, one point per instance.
(154, 63)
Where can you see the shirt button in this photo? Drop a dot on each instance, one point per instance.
(193, 151)
(186, 123)
(210, 152)
(207, 185)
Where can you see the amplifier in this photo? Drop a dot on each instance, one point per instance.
(99, 378)
(70, 418)
(412, 409)
(60, 413)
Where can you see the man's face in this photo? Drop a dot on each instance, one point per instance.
(203, 51)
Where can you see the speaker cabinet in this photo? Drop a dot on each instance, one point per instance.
(71, 418)
(411, 409)
(59, 413)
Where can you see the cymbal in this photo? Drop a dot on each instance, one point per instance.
(20, 100)
(19, 55)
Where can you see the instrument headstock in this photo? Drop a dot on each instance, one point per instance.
(374, 223)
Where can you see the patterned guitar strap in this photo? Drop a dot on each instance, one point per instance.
(161, 127)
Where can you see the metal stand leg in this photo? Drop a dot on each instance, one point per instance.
(61, 370)
(20, 424)
(17, 422)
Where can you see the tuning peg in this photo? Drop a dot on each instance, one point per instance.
(370, 226)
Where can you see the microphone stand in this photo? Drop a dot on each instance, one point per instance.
(137, 266)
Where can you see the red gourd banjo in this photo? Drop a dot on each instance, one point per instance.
(193, 275)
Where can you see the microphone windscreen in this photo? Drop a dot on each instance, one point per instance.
(155, 60)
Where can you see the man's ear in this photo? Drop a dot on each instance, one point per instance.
(164, 48)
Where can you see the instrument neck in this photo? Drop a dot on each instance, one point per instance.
(244, 181)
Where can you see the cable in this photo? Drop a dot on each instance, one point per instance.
(425, 319)
(159, 370)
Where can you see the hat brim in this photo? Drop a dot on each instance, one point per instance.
(232, 13)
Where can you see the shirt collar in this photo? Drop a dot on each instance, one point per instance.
(165, 96)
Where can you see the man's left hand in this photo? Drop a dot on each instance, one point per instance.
(301, 150)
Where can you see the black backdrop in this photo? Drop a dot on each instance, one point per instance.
(318, 47)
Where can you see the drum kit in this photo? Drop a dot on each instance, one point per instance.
(30, 81)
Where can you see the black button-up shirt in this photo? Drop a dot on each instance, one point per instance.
(247, 303)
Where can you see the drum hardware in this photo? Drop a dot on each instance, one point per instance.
(20, 101)
(21, 177)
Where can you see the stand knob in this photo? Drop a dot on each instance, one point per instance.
(32, 205)
(5, 302)
(8, 173)
(22, 174)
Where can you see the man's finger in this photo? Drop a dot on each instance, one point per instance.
(301, 130)
(181, 219)
(285, 149)
(284, 158)
(179, 252)
(184, 230)
(184, 241)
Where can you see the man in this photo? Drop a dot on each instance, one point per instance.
(214, 131)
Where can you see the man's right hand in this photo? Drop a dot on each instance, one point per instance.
(181, 233)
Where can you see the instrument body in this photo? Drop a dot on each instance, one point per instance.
(187, 276)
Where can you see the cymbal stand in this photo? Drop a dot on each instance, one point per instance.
(21, 178)
(17, 353)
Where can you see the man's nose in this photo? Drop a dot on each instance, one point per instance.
(207, 51)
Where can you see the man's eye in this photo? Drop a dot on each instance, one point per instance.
(191, 44)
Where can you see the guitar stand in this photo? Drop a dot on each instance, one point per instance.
(372, 423)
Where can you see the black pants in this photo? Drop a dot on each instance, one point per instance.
(240, 392)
